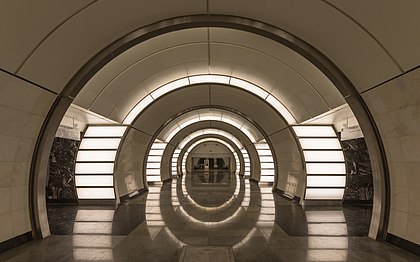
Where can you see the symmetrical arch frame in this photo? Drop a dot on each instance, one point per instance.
(38, 176)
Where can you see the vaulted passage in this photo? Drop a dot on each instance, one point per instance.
(204, 129)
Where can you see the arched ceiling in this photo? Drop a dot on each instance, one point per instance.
(196, 130)
(298, 84)
(209, 96)
(209, 114)
(49, 42)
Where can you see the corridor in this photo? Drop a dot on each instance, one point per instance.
(208, 209)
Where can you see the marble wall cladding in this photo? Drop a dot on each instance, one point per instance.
(61, 184)
(23, 108)
(359, 184)
(395, 106)
(130, 161)
(289, 160)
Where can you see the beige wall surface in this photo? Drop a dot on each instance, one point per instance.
(395, 106)
(23, 108)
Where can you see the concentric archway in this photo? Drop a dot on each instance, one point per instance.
(309, 53)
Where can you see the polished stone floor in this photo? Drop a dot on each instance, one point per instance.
(208, 211)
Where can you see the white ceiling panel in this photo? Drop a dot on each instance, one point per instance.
(128, 80)
(129, 62)
(359, 56)
(167, 106)
(24, 25)
(249, 105)
(74, 42)
(395, 25)
(289, 80)
(160, 78)
(297, 64)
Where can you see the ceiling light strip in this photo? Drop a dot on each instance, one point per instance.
(202, 79)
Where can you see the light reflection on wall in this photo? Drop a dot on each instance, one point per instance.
(327, 240)
(92, 235)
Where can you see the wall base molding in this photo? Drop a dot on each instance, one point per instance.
(403, 244)
(16, 241)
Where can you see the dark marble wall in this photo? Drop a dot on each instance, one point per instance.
(359, 185)
(61, 184)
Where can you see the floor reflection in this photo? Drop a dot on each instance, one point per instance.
(209, 209)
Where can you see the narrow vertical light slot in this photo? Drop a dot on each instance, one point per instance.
(154, 160)
(267, 170)
(174, 161)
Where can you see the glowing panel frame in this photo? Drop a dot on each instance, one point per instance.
(95, 162)
(208, 79)
(324, 162)
(267, 169)
(154, 160)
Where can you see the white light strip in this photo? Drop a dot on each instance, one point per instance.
(137, 109)
(100, 143)
(94, 168)
(314, 131)
(105, 131)
(249, 87)
(323, 156)
(95, 193)
(96, 156)
(326, 181)
(325, 168)
(324, 193)
(94, 181)
(170, 87)
(219, 79)
(319, 143)
(281, 109)
(210, 131)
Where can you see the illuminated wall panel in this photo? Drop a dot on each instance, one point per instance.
(324, 162)
(174, 164)
(154, 160)
(247, 162)
(266, 161)
(95, 161)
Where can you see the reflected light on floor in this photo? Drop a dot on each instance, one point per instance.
(327, 239)
(92, 239)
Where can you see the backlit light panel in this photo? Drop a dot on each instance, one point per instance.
(95, 161)
(324, 162)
